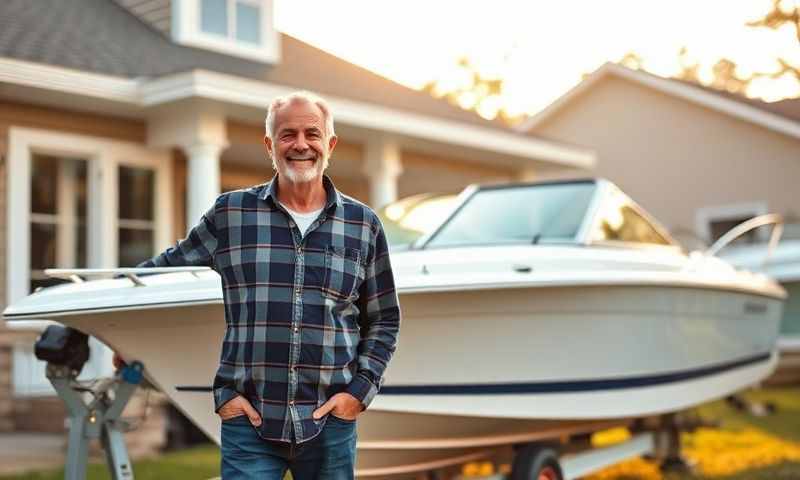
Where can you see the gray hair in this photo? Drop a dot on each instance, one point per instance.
(301, 96)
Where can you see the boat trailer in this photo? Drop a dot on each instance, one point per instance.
(94, 411)
(564, 454)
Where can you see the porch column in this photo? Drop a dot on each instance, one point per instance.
(382, 166)
(201, 133)
(202, 179)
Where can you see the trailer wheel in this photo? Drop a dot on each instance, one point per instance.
(534, 462)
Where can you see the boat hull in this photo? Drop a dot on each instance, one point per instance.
(478, 370)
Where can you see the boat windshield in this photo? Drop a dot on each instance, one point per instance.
(404, 221)
(545, 213)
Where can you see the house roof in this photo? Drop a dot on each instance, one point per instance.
(783, 116)
(789, 108)
(99, 36)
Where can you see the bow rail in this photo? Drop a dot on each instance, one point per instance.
(79, 275)
(774, 219)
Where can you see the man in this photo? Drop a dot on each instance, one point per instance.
(310, 305)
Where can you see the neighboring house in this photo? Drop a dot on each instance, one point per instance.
(698, 159)
(121, 121)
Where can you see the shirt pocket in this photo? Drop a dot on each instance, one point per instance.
(343, 272)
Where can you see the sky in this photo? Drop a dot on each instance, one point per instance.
(540, 49)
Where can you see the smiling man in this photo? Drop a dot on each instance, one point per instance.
(310, 305)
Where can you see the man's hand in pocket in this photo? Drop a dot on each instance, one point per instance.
(342, 405)
(238, 406)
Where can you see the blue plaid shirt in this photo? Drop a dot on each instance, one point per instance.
(307, 316)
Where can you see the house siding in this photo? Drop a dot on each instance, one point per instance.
(49, 118)
(424, 172)
(673, 156)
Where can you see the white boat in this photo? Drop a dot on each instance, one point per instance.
(533, 311)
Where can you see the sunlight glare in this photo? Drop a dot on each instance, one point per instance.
(539, 49)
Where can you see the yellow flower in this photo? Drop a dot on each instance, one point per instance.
(713, 452)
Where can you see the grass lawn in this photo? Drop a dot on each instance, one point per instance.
(203, 462)
(785, 424)
(194, 463)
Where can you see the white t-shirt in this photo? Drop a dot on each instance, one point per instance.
(303, 220)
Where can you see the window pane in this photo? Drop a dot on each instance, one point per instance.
(43, 245)
(135, 245)
(44, 184)
(58, 227)
(136, 192)
(519, 215)
(625, 225)
(81, 191)
(214, 17)
(80, 259)
(81, 224)
(248, 23)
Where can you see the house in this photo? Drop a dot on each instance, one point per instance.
(698, 159)
(122, 120)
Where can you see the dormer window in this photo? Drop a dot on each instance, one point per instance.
(236, 27)
(238, 20)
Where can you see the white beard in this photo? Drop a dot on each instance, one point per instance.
(304, 176)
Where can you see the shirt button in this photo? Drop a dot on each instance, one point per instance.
(291, 402)
(296, 329)
(291, 224)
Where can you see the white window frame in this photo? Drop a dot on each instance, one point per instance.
(186, 30)
(103, 159)
(705, 215)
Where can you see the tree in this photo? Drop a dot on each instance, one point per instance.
(481, 93)
(690, 69)
(778, 17)
(785, 68)
(724, 73)
(725, 77)
(632, 60)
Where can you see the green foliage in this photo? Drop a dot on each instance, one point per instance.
(194, 463)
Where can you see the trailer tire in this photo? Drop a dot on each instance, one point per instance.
(534, 462)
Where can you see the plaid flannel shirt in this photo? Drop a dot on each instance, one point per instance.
(307, 316)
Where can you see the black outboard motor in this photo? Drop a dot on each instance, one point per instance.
(63, 346)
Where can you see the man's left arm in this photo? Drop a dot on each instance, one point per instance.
(379, 321)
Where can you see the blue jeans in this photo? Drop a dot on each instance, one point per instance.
(330, 455)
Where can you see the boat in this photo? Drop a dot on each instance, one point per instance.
(531, 311)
